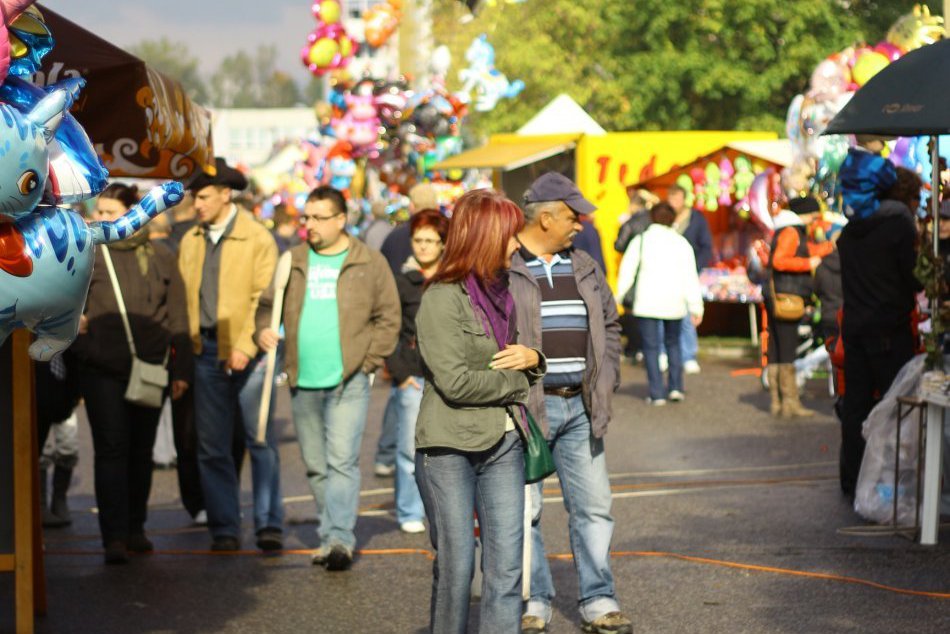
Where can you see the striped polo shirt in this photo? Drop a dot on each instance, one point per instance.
(563, 319)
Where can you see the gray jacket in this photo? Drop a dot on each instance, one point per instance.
(603, 344)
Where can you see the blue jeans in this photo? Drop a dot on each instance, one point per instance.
(689, 340)
(408, 501)
(389, 433)
(454, 485)
(651, 332)
(220, 397)
(582, 471)
(330, 425)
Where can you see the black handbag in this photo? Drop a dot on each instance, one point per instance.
(538, 461)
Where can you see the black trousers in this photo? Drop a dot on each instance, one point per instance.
(783, 337)
(122, 438)
(870, 365)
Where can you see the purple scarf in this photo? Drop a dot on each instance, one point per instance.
(496, 308)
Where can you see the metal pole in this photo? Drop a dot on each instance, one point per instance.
(935, 193)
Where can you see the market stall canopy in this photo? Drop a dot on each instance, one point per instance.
(509, 152)
(141, 122)
(908, 97)
(562, 115)
(776, 153)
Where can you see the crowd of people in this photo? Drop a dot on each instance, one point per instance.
(480, 319)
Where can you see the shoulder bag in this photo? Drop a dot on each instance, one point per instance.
(538, 461)
(786, 306)
(147, 381)
(631, 295)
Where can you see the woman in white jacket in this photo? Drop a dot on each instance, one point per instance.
(659, 269)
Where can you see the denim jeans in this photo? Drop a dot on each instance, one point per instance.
(651, 331)
(330, 425)
(582, 471)
(454, 485)
(387, 446)
(408, 501)
(122, 439)
(689, 340)
(219, 397)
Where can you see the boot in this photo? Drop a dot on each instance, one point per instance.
(775, 407)
(791, 405)
(62, 476)
(49, 519)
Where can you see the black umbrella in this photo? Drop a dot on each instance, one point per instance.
(909, 97)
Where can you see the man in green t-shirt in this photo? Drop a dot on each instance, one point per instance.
(341, 319)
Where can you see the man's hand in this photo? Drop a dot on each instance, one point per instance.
(696, 319)
(83, 325)
(515, 357)
(237, 361)
(178, 389)
(411, 381)
(268, 339)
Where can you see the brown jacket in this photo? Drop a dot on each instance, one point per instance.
(248, 260)
(367, 302)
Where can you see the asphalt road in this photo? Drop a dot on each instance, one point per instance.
(698, 487)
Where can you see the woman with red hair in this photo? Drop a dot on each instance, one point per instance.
(469, 455)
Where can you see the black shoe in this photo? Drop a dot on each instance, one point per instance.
(225, 543)
(116, 553)
(139, 543)
(340, 558)
(270, 539)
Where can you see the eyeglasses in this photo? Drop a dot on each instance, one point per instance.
(426, 242)
(308, 217)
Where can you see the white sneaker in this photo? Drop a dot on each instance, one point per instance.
(691, 367)
(201, 518)
(664, 363)
(676, 396)
(412, 526)
(660, 402)
(384, 471)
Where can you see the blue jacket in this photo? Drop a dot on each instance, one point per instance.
(864, 178)
(700, 238)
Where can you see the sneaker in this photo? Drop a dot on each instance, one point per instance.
(656, 402)
(201, 518)
(319, 557)
(339, 558)
(610, 623)
(691, 367)
(225, 543)
(116, 553)
(638, 357)
(270, 539)
(413, 526)
(139, 543)
(664, 363)
(531, 624)
(384, 471)
(676, 396)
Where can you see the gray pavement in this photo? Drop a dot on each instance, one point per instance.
(713, 479)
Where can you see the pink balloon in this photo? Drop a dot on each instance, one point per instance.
(888, 50)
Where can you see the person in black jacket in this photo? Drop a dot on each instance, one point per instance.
(638, 219)
(123, 433)
(428, 230)
(878, 254)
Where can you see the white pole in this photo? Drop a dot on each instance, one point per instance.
(526, 557)
(281, 277)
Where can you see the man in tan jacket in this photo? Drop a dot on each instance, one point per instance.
(226, 261)
(341, 319)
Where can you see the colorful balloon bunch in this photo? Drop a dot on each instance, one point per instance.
(329, 46)
(380, 21)
(817, 158)
(481, 77)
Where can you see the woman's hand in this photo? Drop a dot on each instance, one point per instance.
(83, 325)
(515, 357)
(696, 319)
(411, 381)
(178, 389)
(268, 339)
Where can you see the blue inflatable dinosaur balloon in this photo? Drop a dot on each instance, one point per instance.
(47, 252)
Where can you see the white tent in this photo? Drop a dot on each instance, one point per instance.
(561, 116)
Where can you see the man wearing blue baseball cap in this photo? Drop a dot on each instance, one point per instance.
(565, 307)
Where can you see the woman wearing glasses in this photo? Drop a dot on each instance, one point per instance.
(469, 453)
(428, 230)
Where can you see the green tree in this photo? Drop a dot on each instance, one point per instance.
(173, 59)
(242, 81)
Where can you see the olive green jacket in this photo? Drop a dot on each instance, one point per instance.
(464, 403)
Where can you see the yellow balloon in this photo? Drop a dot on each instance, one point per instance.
(346, 46)
(322, 52)
(330, 11)
(868, 65)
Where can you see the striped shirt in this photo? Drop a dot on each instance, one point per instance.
(564, 322)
